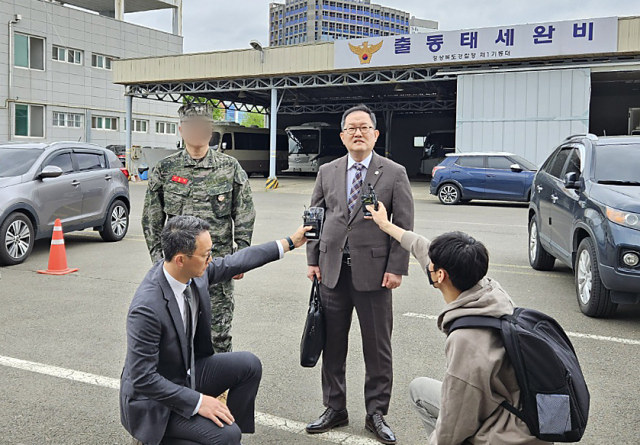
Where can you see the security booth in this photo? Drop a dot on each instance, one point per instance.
(520, 88)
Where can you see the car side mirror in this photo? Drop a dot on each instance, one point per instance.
(223, 146)
(516, 168)
(50, 171)
(571, 180)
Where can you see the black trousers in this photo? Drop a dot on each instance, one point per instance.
(375, 314)
(240, 373)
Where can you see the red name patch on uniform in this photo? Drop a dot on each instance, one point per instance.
(179, 179)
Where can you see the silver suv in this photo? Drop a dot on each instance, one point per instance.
(82, 184)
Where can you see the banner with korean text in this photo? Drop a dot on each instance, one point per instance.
(573, 37)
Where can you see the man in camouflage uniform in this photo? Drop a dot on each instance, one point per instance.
(201, 182)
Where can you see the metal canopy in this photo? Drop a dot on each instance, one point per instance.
(129, 5)
(403, 90)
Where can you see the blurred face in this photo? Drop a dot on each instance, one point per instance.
(358, 134)
(194, 265)
(196, 132)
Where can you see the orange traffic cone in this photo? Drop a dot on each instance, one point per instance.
(57, 255)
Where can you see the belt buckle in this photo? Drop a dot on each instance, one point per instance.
(348, 262)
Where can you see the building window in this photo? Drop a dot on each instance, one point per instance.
(71, 120)
(166, 128)
(100, 61)
(67, 55)
(28, 120)
(104, 123)
(138, 125)
(28, 52)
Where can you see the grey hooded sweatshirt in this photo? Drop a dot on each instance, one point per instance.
(479, 375)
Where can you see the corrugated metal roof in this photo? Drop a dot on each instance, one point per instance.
(628, 34)
(311, 58)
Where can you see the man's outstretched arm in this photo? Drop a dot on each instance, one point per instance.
(223, 269)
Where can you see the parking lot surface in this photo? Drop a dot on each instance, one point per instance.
(62, 338)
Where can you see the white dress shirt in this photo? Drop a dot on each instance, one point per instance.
(351, 172)
(178, 289)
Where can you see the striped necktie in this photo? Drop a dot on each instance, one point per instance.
(356, 185)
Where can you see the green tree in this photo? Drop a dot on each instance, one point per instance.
(218, 111)
(256, 119)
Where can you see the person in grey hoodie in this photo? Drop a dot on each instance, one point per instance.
(465, 407)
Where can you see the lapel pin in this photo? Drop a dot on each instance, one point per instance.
(377, 172)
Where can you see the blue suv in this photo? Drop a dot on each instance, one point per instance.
(585, 212)
(462, 177)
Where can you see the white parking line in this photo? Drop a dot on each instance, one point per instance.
(425, 316)
(625, 341)
(263, 419)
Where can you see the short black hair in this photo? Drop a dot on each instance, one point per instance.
(360, 107)
(179, 235)
(465, 259)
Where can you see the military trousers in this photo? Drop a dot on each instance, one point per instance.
(222, 306)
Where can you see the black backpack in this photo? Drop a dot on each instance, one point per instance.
(554, 396)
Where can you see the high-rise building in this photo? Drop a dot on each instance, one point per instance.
(55, 71)
(302, 21)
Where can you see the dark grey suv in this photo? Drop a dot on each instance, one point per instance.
(82, 184)
(585, 212)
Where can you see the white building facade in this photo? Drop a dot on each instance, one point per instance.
(56, 72)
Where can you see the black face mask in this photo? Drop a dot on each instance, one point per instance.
(431, 282)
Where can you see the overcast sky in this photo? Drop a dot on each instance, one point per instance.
(211, 25)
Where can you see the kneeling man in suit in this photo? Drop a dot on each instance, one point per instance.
(171, 376)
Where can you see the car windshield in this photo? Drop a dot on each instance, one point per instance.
(524, 163)
(303, 141)
(618, 164)
(17, 161)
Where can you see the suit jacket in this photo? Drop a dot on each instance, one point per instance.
(154, 380)
(372, 251)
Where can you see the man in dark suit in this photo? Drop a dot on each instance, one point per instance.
(171, 376)
(358, 266)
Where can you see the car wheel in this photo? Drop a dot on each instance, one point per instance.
(539, 258)
(449, 194)
(117, 222)
(593, 298)
(17, 239)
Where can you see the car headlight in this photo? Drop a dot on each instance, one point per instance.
(627, 219)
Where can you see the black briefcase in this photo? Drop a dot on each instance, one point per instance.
(313, 337)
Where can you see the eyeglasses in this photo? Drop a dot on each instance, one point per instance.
(364, 129)
(207, 257)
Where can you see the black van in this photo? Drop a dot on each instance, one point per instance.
(585, 212)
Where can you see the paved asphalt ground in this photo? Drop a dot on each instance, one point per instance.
(77, 323)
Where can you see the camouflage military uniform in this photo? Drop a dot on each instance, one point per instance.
(216, 189)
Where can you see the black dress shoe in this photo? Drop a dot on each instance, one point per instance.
(378, 426)
(329, 419)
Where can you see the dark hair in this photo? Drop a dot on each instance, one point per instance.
(179, 235)
(465, 259)
(360, 107)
